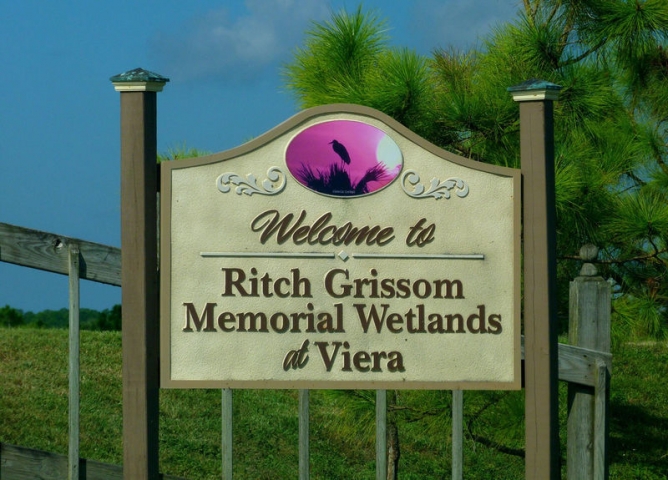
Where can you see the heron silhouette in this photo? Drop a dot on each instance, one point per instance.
(341, 151)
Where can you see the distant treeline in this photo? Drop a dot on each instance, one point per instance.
(108, 319)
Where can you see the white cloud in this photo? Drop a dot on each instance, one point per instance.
(225, 46)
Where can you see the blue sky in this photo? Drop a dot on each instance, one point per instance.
(59, 124)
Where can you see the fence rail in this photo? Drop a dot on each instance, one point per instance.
(102, 263)
(50, 252)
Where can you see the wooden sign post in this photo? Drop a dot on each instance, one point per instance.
(139, 275)
(540, 272)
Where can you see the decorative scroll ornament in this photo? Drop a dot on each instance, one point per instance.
(437, 189)
(272, 185)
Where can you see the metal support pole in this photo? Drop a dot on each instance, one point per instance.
(139, 271)
(457, 434)
(227, 435)
(381, 434)
(304, 455)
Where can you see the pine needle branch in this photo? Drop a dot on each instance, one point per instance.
(619, 261)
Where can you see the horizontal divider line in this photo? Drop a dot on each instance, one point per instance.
(266, 255)
(426, 256)
(398, 256)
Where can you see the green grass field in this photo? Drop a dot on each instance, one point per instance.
(33, 413)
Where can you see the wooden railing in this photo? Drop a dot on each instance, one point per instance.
(50, 252)
(79, 259)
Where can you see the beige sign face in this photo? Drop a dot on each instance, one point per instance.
(339, 250)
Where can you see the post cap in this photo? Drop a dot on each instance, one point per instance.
(588, 253)
(535, 90)
(138, 80)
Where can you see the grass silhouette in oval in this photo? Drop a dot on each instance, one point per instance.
(343, 158)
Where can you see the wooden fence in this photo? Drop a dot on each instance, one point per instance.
(585, 369)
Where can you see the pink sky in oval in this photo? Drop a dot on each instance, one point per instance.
(312, 147)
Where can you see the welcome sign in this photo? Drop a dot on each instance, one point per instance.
(339, 250)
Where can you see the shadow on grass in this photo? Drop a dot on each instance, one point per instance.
(637, 437)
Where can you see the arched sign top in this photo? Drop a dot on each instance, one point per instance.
(351, 112)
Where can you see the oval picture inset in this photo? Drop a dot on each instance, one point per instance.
(343, 158)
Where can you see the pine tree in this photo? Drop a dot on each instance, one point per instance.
(611, 122)
(611, 136)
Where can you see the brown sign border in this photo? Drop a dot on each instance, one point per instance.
(302, 117)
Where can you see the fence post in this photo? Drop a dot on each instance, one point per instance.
(541, 368)
(589, 327)
(139, 271)
(75, 342)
